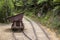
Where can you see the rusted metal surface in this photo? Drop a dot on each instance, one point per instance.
(16, 17)
(17, 22)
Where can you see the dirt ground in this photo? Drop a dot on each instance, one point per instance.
(35, 33)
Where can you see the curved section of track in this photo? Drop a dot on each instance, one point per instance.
(32, 32)
(41, 29)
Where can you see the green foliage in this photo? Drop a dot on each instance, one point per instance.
(56, 0)
(20, 3)
(29, 2)
(5, 10)
(40, 1)
(56, 23)
(57, 10)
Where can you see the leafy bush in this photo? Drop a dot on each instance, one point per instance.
(5, 10)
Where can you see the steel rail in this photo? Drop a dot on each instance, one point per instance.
(39, 27)
(34, 31)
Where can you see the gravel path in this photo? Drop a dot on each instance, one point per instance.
(31, 32)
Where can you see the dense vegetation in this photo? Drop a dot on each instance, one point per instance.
(46, 11)
(5, 10)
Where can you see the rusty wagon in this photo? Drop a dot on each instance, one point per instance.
(17, 23)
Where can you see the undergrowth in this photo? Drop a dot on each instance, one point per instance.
(50, 21)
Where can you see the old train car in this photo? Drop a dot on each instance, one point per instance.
(17, 23)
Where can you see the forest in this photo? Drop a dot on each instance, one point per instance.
(47, 12)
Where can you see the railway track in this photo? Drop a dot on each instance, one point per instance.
(16, 38)
(28, 37)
